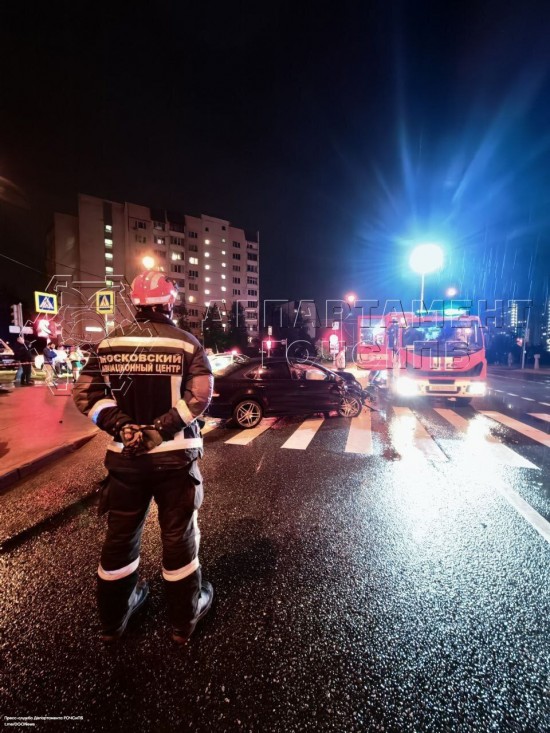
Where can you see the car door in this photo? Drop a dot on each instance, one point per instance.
(318, 390)
(273, 385)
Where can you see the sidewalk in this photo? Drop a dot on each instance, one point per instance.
(543, 371)
(38, 426)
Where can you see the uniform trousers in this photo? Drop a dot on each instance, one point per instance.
(178, 494)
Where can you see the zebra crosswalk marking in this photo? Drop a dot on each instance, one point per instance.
(540, 416)
(422, 442)
(360, 435)
(304, 434)
(247, 436)
(520, 427)
(497, 450)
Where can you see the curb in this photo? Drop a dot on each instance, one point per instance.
(16, 474)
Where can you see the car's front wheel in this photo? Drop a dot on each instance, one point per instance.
(349, 406)
(247, 413)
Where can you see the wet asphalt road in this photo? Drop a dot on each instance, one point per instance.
(402, 588)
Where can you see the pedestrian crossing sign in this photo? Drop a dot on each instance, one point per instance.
(45, 302)
(105, 302)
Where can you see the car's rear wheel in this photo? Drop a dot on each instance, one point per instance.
(247, 413)
(349, 406)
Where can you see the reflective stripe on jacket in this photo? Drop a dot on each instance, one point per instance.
(148, 373)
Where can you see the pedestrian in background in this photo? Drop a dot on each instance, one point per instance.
(49, 355)
(60, 361)
(341, 360)
(75, 359)
(24, 356)
(510, 360)
(147, 386)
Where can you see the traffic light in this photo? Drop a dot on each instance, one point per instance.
(16, 315)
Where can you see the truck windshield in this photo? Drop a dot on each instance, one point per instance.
(463, 336)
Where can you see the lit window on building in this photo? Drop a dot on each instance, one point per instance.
(207, 241)
(109, 283)
(223, 277)
(207, 267)
(176, 256)
(207, 303)
(108, 228)
(108, 255)
(159, 240)
(193, 261)
(191, 298)
(207, 279)
(109, 270)
(223, 264)
(207, 292)
(108, 242)
(207, 254)
(223, 288)
(223, 251)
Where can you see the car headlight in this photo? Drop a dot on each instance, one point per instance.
(406, 387)
(478, 388)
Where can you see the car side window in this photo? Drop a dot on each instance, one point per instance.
(304, 371)
(268, 372)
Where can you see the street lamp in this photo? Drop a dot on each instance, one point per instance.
(451, 292)
(424, 259)
(148, 262)
(351, 298)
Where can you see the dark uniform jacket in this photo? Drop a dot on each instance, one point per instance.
(148, 373)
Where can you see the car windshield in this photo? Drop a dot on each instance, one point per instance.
(228, 369)
(456, 336)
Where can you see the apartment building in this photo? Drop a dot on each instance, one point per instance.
(212, 261)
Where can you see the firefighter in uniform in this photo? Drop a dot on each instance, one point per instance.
(147, 386)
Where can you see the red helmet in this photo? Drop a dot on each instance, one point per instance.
(153, 288)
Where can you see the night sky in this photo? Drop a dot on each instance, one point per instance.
(345, 132)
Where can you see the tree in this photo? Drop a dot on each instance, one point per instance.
(181, 314)
(215, 336)
(238, 335)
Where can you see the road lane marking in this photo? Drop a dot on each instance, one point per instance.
(540, 524)
(546, 404)
(247, 436)
(540, 415)
(520, 427)
(511, 394)
(304, 434)
(360, 435)
(497, 450)
(529, 399)
(422, 440)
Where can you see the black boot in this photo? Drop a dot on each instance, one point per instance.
(117, 601)
(181, 634)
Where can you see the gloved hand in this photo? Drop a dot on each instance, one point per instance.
(132, 439)
(139, 439)
(150, 437)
